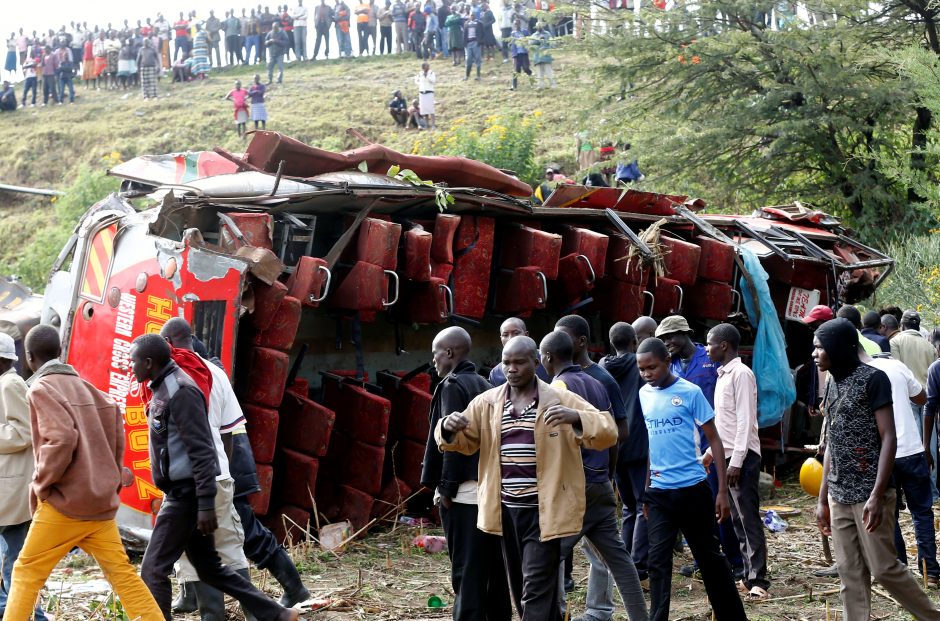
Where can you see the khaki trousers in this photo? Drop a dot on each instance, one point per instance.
(229, 537)
(864, 556)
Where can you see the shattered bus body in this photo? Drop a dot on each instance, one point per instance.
(319, 287)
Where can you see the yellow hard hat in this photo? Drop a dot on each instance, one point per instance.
(811, 476)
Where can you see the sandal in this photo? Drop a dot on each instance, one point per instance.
(742, 588)
(757, 594)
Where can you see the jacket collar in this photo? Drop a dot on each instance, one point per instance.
(52, 367)
(548, 396)
(463, 367)
(156, 382)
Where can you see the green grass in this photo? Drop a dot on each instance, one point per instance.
(45, 147)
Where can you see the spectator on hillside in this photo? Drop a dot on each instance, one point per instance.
(88, 61)
(10, 65)
(148, 60)
(259, 113)
(363, 14)
(183, 42)
(239, 98)
(7, 97)
(266, 23)
(472, 38)
(426, 81)
(22, 44)
(429, 43)
(182, 69)
(384, 15)
(231, 28)
(66, 72)
(298, 15)
(415, 118)
(398, 108)
(506, 19)
(343, 37)
(50, 66)
(322, 20)
(161, 28)
(520, 55)
(124, 74)
(488, 20)
(287, 25)
(29, 81)
(453, 27)
(400, 19)
(200, 55)
(277, 44)
(373, 29)
(214, 38)
(417, 23)
(542, 56)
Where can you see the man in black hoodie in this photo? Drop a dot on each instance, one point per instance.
(477, 573)
(631, 459)
(184, 466)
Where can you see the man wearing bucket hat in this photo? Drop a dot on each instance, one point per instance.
(16, 466)
(690, 361)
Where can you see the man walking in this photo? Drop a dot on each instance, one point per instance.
(736, 420)
(600, 528)
(531, 487)
(678, 499)
(856, 501)
(238, 479)
(473, 42)
(477, 573)
(16, 466)
(631, 458)
(78, 447)
(277, 44)
(184, 466)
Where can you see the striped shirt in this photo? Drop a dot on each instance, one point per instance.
(517, 455)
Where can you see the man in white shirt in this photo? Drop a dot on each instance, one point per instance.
(911, 472)
(426, 81)
(299, 15)
(736, 420)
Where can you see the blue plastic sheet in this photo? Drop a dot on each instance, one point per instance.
(776, 390)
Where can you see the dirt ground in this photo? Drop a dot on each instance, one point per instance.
(383, 578)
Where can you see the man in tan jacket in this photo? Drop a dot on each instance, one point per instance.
(531, 480)
(16, 466)
(78, 446)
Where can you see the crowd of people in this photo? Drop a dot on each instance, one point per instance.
(125, 56)
(524, 463)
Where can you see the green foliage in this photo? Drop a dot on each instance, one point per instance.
(505, 141)
(34, 263)
(719, 105)
(915, 281)
(442, 197)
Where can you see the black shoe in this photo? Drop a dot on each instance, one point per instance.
(827, 572)
(186, 600)
(688, 570)
(737, 573)
(569, 585)
(285, 572)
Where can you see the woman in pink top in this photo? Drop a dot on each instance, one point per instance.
(239, 97)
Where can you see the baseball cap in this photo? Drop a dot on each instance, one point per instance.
(818, 313)
(671, 324)
(7, 347)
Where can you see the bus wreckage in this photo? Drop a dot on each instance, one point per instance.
(318, 280)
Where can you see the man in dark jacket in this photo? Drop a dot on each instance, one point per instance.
(260, 545)
(184, 466)
(477, 573)
(631, 458)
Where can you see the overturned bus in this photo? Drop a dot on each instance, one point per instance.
(318, 280)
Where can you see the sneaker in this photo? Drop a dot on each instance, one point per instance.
(933, 582)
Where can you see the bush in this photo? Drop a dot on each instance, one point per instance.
(505, 141)
(90, 186)
(915, 281)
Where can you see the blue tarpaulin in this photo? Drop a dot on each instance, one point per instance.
(776, 390)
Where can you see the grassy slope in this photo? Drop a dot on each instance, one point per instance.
(44, 146)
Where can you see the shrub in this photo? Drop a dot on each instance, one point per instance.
(505, 141)
(915, 281)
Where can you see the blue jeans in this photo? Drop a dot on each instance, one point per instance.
(11, 542)
(276, 60)
(474, 57)
(918, 411)
(912, 476)
(252, 42)
(345, 43)
(63, 82)
(444, 38)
